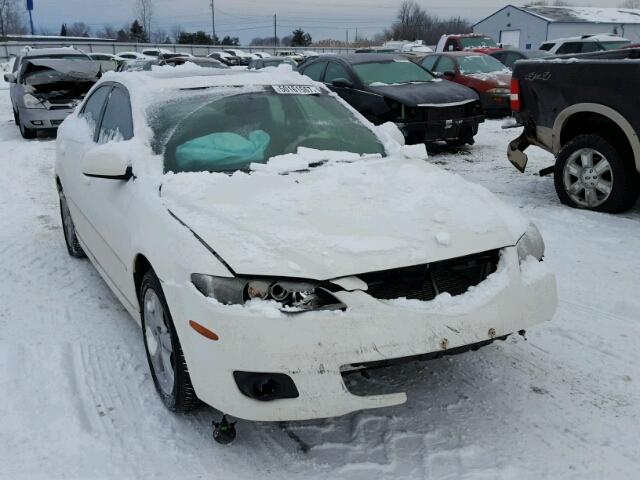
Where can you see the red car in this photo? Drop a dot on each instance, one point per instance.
(467, 42)
(483, 73)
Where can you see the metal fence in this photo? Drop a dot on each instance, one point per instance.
(13, 48)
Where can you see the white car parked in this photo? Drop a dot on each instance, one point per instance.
(584, 44)
(133, 56)
(270, 241)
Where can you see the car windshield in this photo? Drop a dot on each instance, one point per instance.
(223, 130)
(478, 42)
(480, 64)
(614, 45)
(61, 56)
(390, 72)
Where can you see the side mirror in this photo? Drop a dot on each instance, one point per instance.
(342, 83)
(10, 78)
(108, 161)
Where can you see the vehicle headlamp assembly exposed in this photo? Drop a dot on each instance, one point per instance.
(32, 102)
(531, 244)
(294, 296)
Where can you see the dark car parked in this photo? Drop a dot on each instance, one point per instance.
(390, 88)
(478, 71)
(509, 57)
(226, 58)
(584, 111)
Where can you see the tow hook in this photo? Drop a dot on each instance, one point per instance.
(224, 432)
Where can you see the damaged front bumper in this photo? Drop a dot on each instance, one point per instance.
(440, 130)
(42, 118)
(313, 350)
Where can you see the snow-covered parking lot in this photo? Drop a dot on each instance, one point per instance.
(78, 402)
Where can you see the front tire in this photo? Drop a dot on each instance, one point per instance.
(591, 173)
(69, 230)
(164, 353)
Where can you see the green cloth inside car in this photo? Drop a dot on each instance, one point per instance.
(222, 151)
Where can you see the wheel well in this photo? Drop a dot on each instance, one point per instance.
(141, 266)
(585, 123)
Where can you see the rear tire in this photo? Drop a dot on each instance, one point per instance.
(69, 230)
(591, 173)
(166, 361)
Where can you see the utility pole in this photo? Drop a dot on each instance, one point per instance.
(347, 38)
(275, 30)
(213, 21)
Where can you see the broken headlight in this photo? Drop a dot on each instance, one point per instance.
(531, 244)
(32, 102)
(294, 296)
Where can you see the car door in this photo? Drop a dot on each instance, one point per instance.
(105, 202)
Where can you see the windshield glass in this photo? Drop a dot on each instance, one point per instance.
(390, 72)
(480, 64)
(61, 56)
(225, 132)
(477, 42)
(614, 45)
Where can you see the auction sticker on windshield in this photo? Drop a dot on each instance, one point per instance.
(296, 90)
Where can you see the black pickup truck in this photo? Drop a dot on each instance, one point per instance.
(586, 111)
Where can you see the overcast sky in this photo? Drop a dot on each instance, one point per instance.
(254, 18)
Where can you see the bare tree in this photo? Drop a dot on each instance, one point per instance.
(144, 13)
(158, 36)
(630, 4)
(176, 31)
(108, 31)
(11, 17)
(78, 29)
(414, 23)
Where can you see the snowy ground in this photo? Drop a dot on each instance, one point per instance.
(76, 399)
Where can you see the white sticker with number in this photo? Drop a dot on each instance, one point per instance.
(296, 90)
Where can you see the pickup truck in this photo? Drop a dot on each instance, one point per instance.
(585, 110)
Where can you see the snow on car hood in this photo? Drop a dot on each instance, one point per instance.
(339, 219)
(434, 92)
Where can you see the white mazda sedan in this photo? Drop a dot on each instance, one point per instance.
(270, 241)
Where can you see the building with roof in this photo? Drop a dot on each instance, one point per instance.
(528, 27)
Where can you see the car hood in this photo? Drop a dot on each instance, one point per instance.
(61, 70)
(340, 219)
(436, 92)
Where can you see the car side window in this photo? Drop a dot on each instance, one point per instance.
(546, 46)
(588, 47)
(430, 62)
(445, 64)
(315, 70)
(570, 47)
(117, 122)
(335, 71)
(92, 108)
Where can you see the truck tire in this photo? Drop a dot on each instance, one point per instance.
(162, 346)
(591, 173)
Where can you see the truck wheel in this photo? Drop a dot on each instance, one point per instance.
(69, 230)
(164, 353)
(27, 133)
(591, 173)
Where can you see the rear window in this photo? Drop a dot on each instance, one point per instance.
(614, 45)
(478, 42)
(391, 72)
(546, 46)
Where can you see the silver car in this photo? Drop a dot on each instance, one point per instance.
(46, 86)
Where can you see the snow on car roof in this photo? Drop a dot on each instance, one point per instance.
(191, 76)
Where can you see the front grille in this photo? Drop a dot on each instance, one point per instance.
(425, 282)
(441, 114)
(55, 123)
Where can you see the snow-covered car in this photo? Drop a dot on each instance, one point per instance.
(244, 57)
(134, 56)
(270, 241)
(155, 52)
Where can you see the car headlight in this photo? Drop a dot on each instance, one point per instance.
(294, 296)
(32, 102)
(500, 91)
(531, 244)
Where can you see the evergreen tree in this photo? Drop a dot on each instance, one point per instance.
(300, 39)
(138, 33)
(63, 30)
